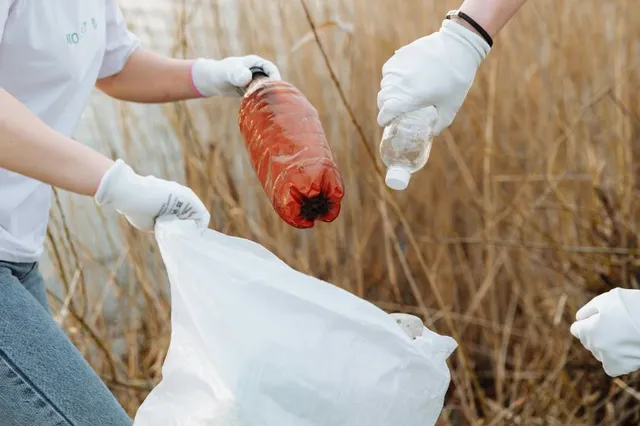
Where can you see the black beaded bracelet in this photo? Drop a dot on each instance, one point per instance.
(485, 35)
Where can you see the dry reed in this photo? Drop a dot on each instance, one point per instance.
(528, 206)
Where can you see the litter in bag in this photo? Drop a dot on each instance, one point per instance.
(289, 152)
(257, 343)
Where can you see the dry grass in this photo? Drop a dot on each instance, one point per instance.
(527, 209)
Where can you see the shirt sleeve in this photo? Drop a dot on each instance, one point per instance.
(5, 8)
(120, 43)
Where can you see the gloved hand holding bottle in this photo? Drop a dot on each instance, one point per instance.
(229, 76)
(609, 327)
(425, 83)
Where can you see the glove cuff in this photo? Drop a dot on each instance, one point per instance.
(109, 189)
(469, 20)
(467, 37)
(203, 71)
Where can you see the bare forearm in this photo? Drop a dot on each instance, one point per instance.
(149, 77)
(31, 148)
(492, 15)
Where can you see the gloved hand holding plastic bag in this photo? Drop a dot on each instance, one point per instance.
(256, 343)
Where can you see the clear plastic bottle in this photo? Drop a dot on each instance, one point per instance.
(406, 145)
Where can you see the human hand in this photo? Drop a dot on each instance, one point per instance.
(609, 327)
(437, 70)
(143, 199)
(224, 77)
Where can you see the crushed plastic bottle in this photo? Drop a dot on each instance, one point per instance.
(406, 145)
(289, 152)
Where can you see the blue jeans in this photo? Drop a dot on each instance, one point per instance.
(44, 379)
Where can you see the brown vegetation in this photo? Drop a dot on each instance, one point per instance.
(527, 208)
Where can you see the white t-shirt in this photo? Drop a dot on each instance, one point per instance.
(51, 54)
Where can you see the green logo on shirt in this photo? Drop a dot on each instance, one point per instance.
(76, 37)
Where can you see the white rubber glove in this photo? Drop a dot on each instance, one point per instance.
(609, 327)
(142, 199)
(437, 70)
(223, 77)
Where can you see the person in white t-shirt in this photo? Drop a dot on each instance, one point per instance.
(438, 70)
(52, 55)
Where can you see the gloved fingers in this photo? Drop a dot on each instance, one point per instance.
(387, 65)
(271, 69)
(395, 107)
(445, 119)
(391, 108)
(389, 68)
(267, 66)
(591, 308)
(390, 79)
(583, 329)
(141, 222)
(576, 330)
(386, 92)
(183, 204)
(586, 312)
(187, 206)
(202, 222)
(389, 84)
(239, 75)
(201, 215)
(396, 98)
(393, 101)
(399, 57)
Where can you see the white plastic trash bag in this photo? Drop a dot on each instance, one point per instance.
(257, 343)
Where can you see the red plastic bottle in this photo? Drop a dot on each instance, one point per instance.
(289, 152)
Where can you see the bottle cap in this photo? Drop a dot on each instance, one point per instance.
(397, 178)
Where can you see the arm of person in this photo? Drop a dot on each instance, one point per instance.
(31, 148)
(439, 69)
(148, 77)
(28, 146)
(492, 15)
(131, 73)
